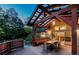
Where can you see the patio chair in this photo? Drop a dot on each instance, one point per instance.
(53, 46)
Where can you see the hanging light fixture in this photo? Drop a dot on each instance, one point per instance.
(53, 22)
(78, 21)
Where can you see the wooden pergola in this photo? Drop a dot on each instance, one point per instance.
(67, 13)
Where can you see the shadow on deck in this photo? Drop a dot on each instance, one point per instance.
(38, 50)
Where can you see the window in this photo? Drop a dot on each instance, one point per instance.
(56, 28)
(63, 28)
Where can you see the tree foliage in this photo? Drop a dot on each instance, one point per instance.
(11, 27)
(29, 31)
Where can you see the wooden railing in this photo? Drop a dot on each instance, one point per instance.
(7, 47)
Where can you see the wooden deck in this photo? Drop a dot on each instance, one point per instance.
(38, 50)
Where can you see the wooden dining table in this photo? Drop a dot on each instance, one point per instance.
(52, 42)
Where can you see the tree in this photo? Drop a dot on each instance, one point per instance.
(29, 31)
(10, 27)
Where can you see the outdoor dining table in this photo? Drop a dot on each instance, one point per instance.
(55, 43)
(51, 41)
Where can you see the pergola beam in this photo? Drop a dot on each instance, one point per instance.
(33, 15)
(44, 9)
(42, 19)
(56, 5)
(56, 14)
(64, 20)
(37, 17)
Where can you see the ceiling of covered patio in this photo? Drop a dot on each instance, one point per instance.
(43, 15)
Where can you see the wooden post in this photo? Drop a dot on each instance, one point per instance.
(33, 31)
(74, 28)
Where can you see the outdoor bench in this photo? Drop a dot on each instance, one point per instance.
(39, 40)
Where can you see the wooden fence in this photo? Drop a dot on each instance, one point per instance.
(8, 46)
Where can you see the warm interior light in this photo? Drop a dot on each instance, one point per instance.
(62, 27)
(53, 23)
(49, 31)
(43, 34)
(77, 30)
(56, 27)
(78, 20)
